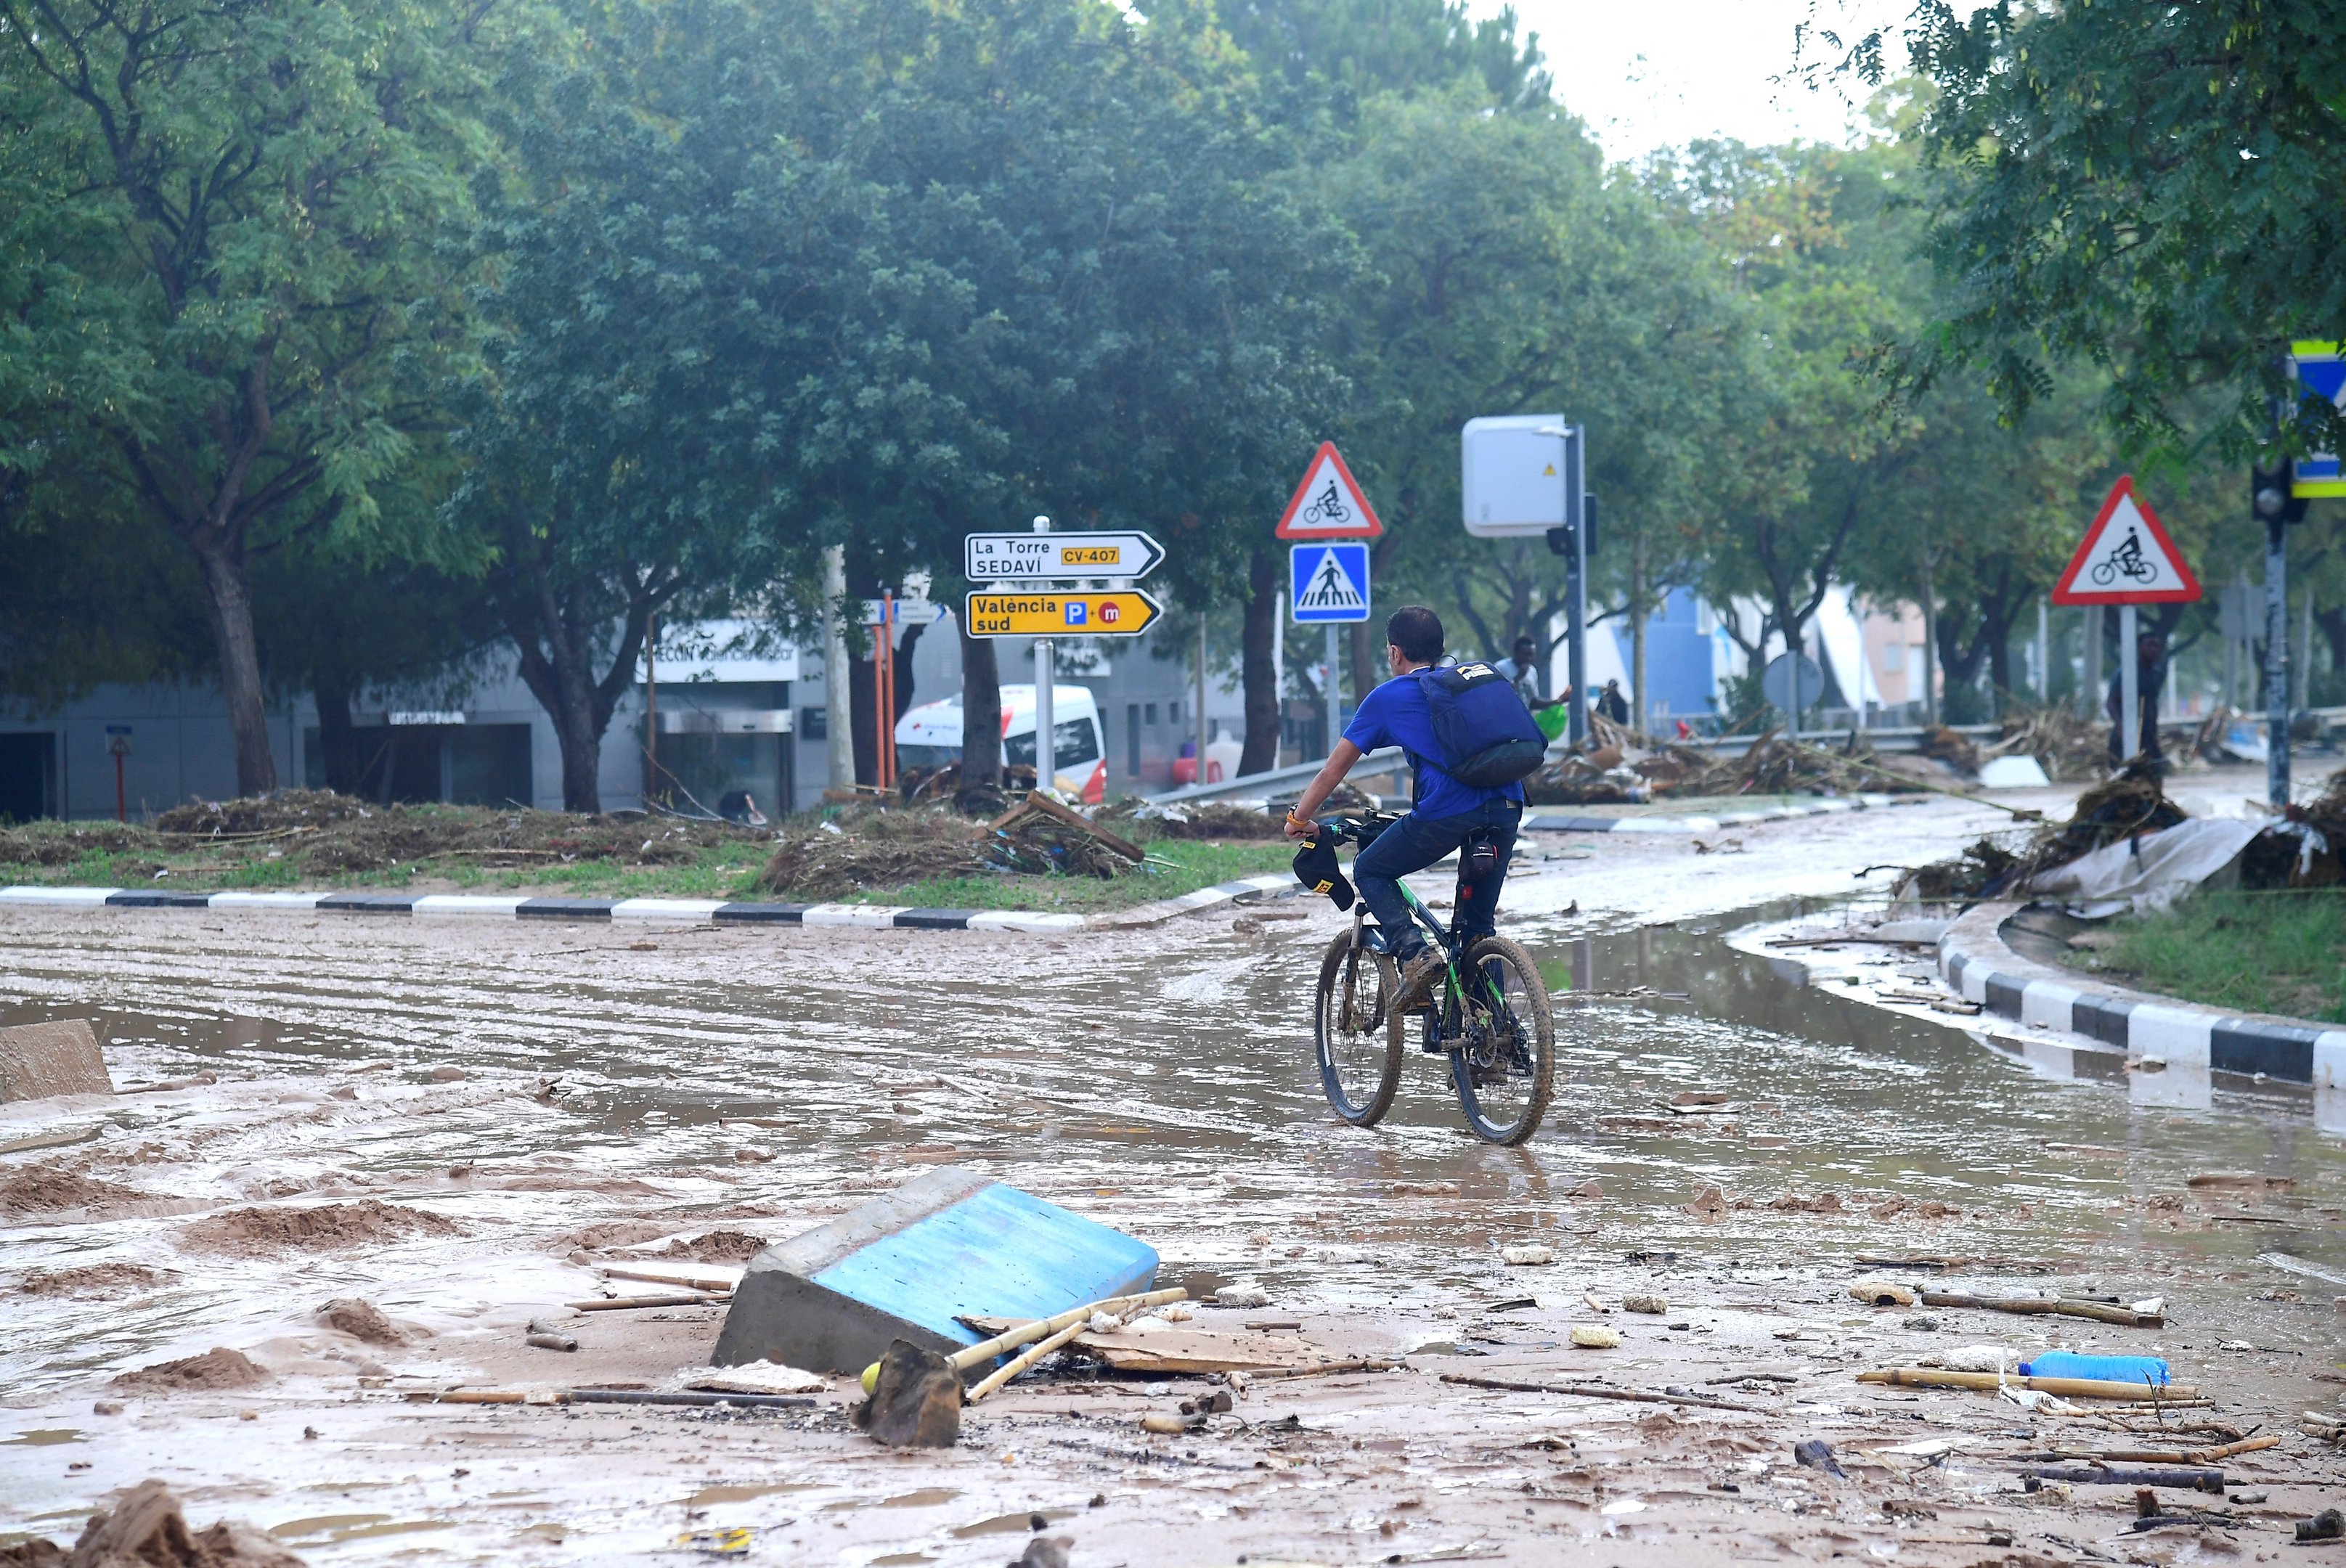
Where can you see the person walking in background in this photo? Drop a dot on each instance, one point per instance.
(2150, 674)
(1612, 704)
(1522, 668)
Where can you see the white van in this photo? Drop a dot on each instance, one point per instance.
(928, 736)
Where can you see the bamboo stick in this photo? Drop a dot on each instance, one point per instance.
(2100, 1312)
(1603, 1392)
(1025, 1359)
(1042, 1327)
(2065, 1387)
(625, 1303)
(689, 1281)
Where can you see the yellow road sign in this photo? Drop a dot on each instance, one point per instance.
(1119, 614)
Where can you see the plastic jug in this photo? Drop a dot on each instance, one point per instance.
(2110, 1368)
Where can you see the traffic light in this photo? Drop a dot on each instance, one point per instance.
(1559, 540)
(2268, 493)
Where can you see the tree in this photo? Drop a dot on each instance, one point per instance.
(2147, 188)
(225, 270)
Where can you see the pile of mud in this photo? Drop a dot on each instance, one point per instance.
(93, 1279)
(717, 1246)
(147, 1529)
(44, 1188)
(325, 1225)
(218, 1368)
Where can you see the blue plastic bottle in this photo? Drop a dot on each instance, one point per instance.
(2110, 1368)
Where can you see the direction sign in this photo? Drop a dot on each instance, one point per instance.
(1327, 582)
(1329, 504)
(1049, 614)
(1045, 557)
(2321, 371)
(2125, 559)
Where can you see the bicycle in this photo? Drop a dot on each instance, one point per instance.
(1490, 1017)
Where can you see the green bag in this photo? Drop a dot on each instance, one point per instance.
(1551, 719)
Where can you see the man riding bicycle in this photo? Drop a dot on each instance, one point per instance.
(1412, 710)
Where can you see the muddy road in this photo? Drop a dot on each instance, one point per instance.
(459, 1122)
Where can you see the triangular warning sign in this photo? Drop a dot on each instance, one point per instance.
(1330, 587)
(2127, 558)
(1329, 504)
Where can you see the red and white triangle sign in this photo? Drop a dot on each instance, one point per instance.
(2127, 558)
(1329, 504)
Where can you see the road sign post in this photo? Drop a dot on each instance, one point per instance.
(1523, 474)
(1328, 583)
(2127, 559)
(1327, 574)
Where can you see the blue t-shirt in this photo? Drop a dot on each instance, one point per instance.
(1395, 715)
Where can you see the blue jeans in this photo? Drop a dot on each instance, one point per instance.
(1413, 844)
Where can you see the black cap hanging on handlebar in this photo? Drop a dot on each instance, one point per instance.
(1316, 868)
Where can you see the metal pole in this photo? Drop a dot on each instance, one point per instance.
(1792, 668)
(1200, 742)
(1046, 681)
(1576, 589)
(2043, 652)
(838, 692)
(2304, 666)
(1335, 693)
(2276, 662)
(2090, 698)
(2129, 728)
(651, 706)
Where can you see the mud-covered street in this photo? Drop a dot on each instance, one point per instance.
(461, 1123)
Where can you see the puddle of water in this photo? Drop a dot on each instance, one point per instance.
(745, 1494)
(333, 1528)
(927, 1497)
(44, 1437)
(1004, 1524)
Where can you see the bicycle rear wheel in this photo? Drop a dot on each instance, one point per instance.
(1503, 1054)
(1355, 1031)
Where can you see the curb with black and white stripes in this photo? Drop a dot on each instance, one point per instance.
(1824, 805)
(717, 912)
(1975, 963)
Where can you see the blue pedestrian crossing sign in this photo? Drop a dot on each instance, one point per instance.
(2319, 371)
(1329, 580)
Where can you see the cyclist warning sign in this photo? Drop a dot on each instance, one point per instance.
(1329, 504)
(2127, 558)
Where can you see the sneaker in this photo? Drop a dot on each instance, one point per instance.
(1420, 973)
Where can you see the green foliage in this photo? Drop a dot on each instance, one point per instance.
(223, 272)
(2152, 189)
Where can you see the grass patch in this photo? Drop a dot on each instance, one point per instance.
(905, 858)
(2282, 951)
(1195, 863)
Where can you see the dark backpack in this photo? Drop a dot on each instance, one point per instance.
(1488, 737)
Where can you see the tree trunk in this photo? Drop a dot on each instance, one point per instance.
(981, 714)
(1258, 670)
(1929, 645)
(555, 630)
(228, 596)
(1638, 610)
(1367, 670)
(338, 743)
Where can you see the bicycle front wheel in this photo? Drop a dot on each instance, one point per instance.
(1356, 1032)
(1503, 1056)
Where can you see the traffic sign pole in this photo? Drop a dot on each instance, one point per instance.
(1046, 674)
(2129, 725)
(2276, 662)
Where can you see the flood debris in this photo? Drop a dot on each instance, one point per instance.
(2129, 803)
(38, 1061)
(1815, 1453)
(915, 1400)
(545, 1336)
(1991, 1382)
(1596, 1336)
(2147, 1314)
(2329, 1524)
(148, 1530)
(913, 1264)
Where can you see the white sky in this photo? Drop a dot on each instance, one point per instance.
(1663, 72)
